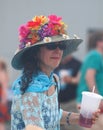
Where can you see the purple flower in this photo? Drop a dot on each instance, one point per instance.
(44, 32)
(22, 45)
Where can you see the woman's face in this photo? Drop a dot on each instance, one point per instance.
(50, 59)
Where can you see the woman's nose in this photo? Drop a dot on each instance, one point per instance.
(58, 49)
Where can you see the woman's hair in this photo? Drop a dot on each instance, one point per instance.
(94, 38)
(31, 66)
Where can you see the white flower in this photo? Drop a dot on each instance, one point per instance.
(28, 44)
(65, 36)
(76, 37)
(47, 39)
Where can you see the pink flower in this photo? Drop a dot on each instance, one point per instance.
(40, 27)
(54, 19)
(23, 31)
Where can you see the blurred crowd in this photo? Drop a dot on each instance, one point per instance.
(75, 77)
(5, 102)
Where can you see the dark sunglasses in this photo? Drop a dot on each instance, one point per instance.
(53, 46)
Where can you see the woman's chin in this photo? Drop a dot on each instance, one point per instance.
(55, 66)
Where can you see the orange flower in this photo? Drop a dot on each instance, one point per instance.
(35, 38)
(41, 20)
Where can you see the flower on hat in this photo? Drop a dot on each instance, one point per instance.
(65, 36)
(47, 39)
(76, 37)
(41, 19)
(40, 27)
(54, 19)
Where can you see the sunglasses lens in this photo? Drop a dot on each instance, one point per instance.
(51, 46)
(62, 46)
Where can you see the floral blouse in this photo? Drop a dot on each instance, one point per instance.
(34, 106)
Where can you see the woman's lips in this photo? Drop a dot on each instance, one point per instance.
(55, 58)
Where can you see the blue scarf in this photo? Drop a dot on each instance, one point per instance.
(40, 83)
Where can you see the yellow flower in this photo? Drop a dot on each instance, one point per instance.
(64, 25)
(41, 20)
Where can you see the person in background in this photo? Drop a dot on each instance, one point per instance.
(68, 71)
(92, 73)
(4, 84)
(43, 43)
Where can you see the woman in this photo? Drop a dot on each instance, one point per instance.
(43, 43)
(4, 80)
(92, 72)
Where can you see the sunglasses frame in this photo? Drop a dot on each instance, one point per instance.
(53, 46)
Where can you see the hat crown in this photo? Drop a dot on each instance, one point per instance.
(39, 28)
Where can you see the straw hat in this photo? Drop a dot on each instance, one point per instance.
(43, 30)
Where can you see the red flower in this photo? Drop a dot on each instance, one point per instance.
(33, 25)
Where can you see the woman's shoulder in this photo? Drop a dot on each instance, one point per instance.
(40, 83)
(57, 80)
(16, 86)
(94, 53)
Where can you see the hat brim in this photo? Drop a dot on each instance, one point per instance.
(71, 46)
